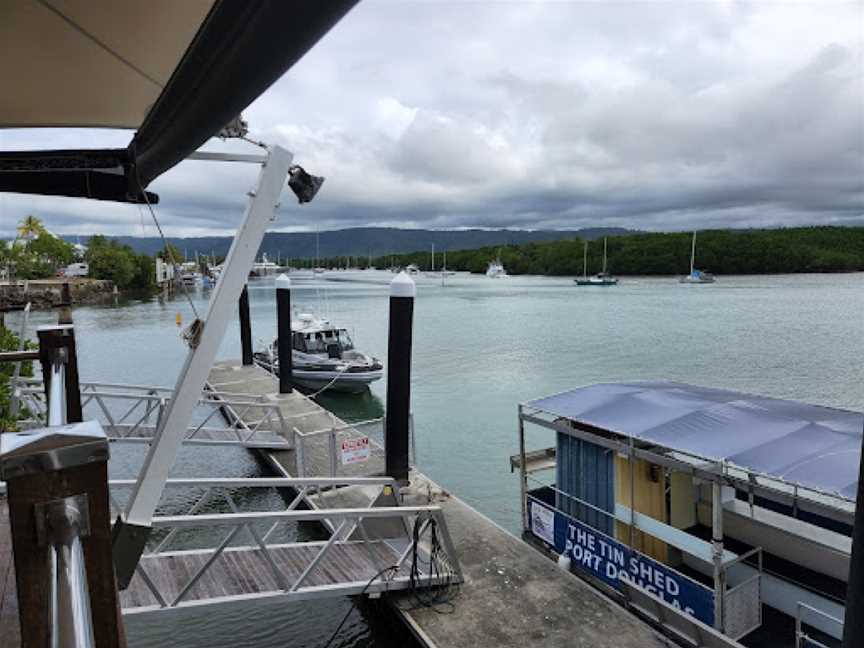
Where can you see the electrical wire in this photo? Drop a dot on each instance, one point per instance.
(389, 568)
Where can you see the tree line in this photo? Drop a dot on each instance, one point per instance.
(768, 251)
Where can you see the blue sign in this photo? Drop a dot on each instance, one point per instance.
(612, 562)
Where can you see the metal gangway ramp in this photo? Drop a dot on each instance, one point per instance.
(372, 549)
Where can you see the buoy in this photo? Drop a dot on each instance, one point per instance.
(564, 562)
(178, 319)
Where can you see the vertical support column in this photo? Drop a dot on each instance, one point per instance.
(57, 344)
(283, 332)
(717, 552)
(57, 481)
(853, 623)
(245, 327)
(396, 433)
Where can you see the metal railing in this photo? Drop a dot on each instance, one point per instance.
(131, 413)
(320, 452)
(351, 526)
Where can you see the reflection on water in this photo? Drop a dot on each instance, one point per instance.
(480, 347)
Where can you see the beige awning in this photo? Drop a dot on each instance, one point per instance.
(90, 63)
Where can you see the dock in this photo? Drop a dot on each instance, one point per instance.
(512, 596)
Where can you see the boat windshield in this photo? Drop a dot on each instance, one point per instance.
(345, 339)
(321, 341)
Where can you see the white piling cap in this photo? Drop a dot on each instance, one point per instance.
(283, 282)
(403, 286)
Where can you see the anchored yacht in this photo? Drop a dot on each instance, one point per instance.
(602, 278)
(496, 269)
(696, 276)
(324, 358)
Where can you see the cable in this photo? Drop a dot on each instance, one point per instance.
(169, 253)
(351, 609)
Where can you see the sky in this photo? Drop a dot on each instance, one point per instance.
(559, 115)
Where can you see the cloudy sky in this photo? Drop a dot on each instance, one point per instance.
(652, 115)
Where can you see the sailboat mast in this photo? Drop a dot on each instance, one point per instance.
(604, 255)
(585, 261)
(433, 257)
(693, 253)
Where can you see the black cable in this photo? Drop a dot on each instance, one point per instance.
(351, 609)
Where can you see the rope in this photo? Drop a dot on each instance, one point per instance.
(390, 568)
(330, 384)
(170, 256)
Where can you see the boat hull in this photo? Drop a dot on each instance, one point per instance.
(588, 282)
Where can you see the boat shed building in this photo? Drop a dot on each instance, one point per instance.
(714, 501)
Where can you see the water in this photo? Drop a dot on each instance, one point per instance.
(481, 346)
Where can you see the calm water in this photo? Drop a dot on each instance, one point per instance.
(481, 347)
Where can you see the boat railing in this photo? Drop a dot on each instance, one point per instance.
(345, 449)
(803, 612)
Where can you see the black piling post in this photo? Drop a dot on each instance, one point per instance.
(396, 434)
(853, 624)
(245, 327)
(283, 332)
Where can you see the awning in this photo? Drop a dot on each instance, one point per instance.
(175, 71)
(813, 446)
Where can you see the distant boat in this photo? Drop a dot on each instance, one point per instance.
(496, 270)
(602, 278)
(317, 270)
(443, 272)
(696, 276)
(412, 269)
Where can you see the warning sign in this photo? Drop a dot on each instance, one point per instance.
(355, 450)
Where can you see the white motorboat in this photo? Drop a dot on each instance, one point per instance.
(324, 358)
(496, 270)
(696, 276)
(602, 278)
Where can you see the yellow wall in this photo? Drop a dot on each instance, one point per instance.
(650, 500)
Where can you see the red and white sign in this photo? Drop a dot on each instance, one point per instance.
(355, 450)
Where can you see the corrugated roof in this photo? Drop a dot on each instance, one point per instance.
(817, 447)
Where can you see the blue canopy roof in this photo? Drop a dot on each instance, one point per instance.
(817, 447)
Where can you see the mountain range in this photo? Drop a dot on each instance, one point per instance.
(363, 241)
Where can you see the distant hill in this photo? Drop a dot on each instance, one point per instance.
(364, 241)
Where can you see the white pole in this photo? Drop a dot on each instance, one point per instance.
(693, 253)
(717, 552)
(173, 425)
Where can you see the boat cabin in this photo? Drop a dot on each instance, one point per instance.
(317, 336)
(709, 503)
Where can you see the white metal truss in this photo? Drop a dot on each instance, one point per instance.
(190, 383)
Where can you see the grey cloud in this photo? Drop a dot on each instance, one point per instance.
(543, 115)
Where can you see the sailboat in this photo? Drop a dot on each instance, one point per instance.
(317, 270)
(696, 276)
(496, 270)
(602, 278)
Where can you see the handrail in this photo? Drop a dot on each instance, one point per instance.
(268, 482)
(318, 515)
(57, 397)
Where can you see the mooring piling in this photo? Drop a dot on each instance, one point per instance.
(283, 333)
(396, 435)
(245, 327)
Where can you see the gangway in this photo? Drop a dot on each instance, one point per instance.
(366, 553)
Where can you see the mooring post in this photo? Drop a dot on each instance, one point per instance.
(64, 314)
(396, 434)
(717, 553)
(853, 624)
(245, 327)
(283, 332)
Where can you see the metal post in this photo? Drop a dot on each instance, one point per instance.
(245, 327)
(853, 624)
(131, 534)
(57, 346)
(283, 331)
(523, 475)
(402, 294)
(717, 552)
(57, 482)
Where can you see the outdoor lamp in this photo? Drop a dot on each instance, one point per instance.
(304, 185)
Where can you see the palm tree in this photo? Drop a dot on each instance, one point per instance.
(31, 227)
